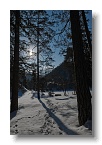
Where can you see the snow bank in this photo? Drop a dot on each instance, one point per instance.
(51, 115)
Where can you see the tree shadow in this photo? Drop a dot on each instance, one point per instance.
(62, 99)
(65, 98)
(21, 93)
(13, 114)
(58, 121)
(88, 124)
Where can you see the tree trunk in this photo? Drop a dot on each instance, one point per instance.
(38, 89)
(14, 101)
(83, 92)
(87, 31)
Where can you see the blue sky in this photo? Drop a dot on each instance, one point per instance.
(59, 58)
(56, 56)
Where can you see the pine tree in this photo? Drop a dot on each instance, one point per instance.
(87, 31)
(14, 100)
(87, 47)
(28, 30)
(83, 92)
(34, 79)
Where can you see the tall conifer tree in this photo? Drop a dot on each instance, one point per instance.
(83, 92)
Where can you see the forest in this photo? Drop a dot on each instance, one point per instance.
(38, 40)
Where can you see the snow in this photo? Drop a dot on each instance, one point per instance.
(51, 115)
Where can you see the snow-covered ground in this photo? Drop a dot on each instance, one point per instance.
(51, 115)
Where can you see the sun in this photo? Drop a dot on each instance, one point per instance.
(30, 53)
(32, 50)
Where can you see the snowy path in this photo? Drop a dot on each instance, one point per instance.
(55, 115)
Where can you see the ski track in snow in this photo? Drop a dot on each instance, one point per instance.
(55, 115)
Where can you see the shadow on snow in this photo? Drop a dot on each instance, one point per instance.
(58, 121)
(13, 114)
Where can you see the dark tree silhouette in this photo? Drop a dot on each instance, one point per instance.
(83, 92)
(38, 30)
(87, 31)
(14, 100)
(87, 46)
(31, 30)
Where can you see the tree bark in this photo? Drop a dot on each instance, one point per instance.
(87, 31)
(83, 92)
(38, 89)
(14, 101)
